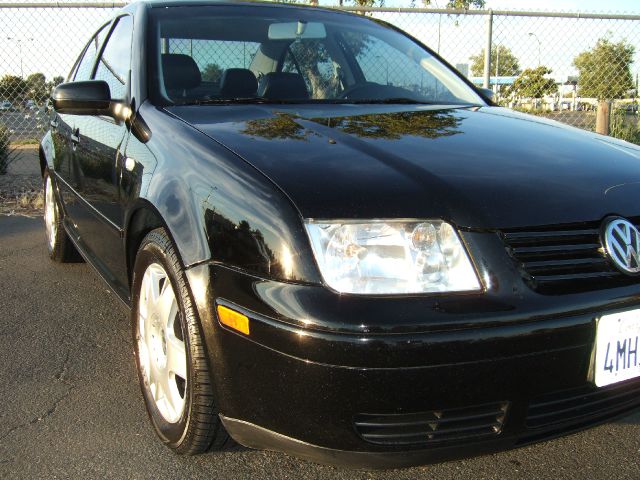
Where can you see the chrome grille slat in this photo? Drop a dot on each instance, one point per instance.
(527, 236)
(539, 249)
(566, 263)
(563, 259)
(576, 276)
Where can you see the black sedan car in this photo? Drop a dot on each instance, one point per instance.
(333, 245)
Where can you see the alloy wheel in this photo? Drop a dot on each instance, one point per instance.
(50, 213)
(161, 346)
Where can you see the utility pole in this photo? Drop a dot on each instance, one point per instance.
(497, 69)
(487, 50)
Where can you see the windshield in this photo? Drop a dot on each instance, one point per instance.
(259, 54)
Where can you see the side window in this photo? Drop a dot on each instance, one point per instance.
(85, 65)
(382, 64)
(115, 61)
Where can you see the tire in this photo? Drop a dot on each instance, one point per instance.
(168, 346)
(59, 245)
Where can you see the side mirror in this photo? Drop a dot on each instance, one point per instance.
(91, 97)
(487, 92)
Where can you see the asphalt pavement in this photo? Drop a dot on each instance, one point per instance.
(24, 124)
(70, 405)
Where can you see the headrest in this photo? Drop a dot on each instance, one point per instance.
(279, 85)
(238, 82)
(180, 72)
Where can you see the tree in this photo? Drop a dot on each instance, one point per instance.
(13, 88)
(212, 73)
(53, 83)
(506, 62)
(461, 4)
(457, 4)
(532, 83)
(37, 88)
(359, 3)
(605, 71)
(392, 126)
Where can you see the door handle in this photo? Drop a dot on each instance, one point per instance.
(75, 139)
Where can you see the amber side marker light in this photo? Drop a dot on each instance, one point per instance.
(233, 319)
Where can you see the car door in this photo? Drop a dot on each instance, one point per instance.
(63, 127)
(98, 154)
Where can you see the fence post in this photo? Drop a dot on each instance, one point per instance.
(487, 50)
(603, 117)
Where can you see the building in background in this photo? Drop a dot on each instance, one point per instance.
(463, 68)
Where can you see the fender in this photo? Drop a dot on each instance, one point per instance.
(220, 208)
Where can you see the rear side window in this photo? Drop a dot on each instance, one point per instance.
(85, 66)
(115, 61)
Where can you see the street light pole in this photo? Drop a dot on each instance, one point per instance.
(379, 57)
(497, 69)
(439, 26)
(19, 42)
(531, 34)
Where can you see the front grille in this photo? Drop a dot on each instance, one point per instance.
(582, 405)
(563, 259)
(431, 427)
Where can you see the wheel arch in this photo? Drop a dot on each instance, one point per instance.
(43, 161)
(46, 153)
(142, 219)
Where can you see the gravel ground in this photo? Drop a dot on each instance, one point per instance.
(71, 406)
(21, 186)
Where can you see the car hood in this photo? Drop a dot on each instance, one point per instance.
(477, 167)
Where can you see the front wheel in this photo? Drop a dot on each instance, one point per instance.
(172, 367)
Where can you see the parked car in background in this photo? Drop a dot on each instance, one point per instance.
(5, 106)
(332, 244)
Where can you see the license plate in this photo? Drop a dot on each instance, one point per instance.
(617, 339)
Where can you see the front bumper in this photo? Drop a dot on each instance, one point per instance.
(304, 378)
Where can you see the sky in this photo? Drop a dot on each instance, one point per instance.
(610, 6)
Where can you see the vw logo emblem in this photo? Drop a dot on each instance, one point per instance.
(621, 241)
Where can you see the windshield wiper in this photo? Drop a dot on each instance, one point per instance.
(395, 100)
(234, 101)
(405, 101)
(336, 101)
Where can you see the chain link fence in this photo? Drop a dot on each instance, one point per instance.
(578, 69)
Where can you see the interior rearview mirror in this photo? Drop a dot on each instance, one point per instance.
(297, 30)
(91, 97)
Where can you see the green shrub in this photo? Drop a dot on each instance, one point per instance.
(624, 126)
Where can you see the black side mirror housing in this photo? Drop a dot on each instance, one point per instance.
(487, 92)
(91, 97)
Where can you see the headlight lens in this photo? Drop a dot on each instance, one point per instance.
(391, 257)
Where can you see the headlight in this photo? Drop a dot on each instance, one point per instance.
(391, 257)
